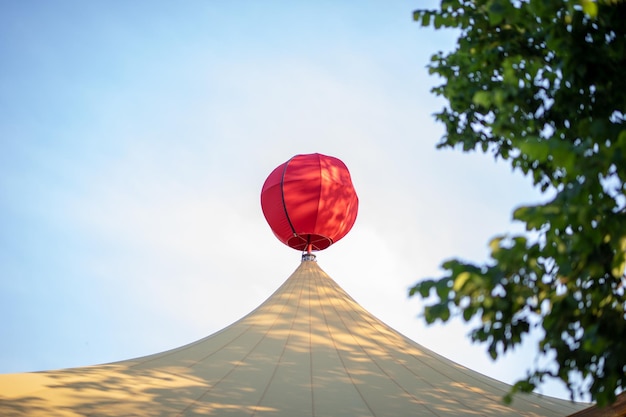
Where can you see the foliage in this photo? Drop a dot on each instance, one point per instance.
(542, 85)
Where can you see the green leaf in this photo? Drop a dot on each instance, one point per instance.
(535, 148)
(590, 8)
(494, 245)
(621, 139)
(495, 12)
(437, 312)
(468, 313)
(423, 288)
(438, 21)
(482, 98)
(460, 280)
(443, 289)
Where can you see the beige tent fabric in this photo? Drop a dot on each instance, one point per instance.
(308, 350)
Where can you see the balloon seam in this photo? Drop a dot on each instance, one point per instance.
(282, 194)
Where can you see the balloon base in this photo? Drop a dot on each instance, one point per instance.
(308, 256)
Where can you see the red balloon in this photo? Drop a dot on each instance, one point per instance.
(309, 201)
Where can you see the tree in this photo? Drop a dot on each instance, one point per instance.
(542, 85)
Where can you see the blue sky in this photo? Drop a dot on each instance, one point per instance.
(135, 138)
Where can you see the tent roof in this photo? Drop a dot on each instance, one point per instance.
(617, 409)
(308, 350)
